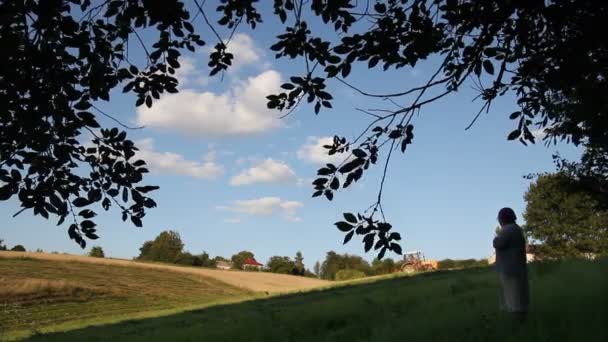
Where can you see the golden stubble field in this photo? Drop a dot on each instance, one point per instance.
(253, 281)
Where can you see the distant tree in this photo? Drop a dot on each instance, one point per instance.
(334, 263)
(186, 258)
(565, 217)
(2, 245)
(206, 260)
(18, 248)
(384, 266)
(97, 252)
(309, 274)
(591, 172)
(299, 264)
(239, 259)
(145, 250)
(166, 247)
(280, 264)
(317, 269)
(39, 250)
(349, 274)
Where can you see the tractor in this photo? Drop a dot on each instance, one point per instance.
(414, 262)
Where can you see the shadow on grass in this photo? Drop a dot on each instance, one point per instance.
(569, 303)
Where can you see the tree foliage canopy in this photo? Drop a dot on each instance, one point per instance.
(285, 265)
(97, 252)
(334, 263)
(166, 247)
(18, 248)
(565, 218)
(62, 58)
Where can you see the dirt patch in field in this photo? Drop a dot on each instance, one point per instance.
(255, 281)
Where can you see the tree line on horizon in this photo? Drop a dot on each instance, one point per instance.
(168, 247)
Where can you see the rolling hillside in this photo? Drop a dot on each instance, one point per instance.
(253, 281)
(569, 303)
(40, 291)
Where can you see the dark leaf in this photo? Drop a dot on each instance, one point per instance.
(514, 135)
(514, 115)
(381, 254)
(488, 67)
(350, 218)
(87, 213)
(384, 226)
(136, 221)
(87, 224)
(359, 153)
(348, 237)
(396, 248)
(335, 183)
(344, 226)
(81, 202)
(368, 241)
(395, 236)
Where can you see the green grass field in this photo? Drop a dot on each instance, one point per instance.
(569, 303)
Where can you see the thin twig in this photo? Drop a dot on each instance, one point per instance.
(200, 8)
(115, 119)
(412, 90)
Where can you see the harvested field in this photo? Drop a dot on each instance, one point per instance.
(252, 281)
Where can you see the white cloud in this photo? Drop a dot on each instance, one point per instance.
(265, 206)
(238, 111)
(313, 152)
(266, 171)
(232, 220)
(245, 52)
(176, 164)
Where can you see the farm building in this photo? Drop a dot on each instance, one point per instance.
(223, 265)
(252, 264)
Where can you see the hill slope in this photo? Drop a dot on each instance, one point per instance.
(569, 303)
(253, 281)
(36, 294)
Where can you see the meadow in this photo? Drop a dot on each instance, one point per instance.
(569, 303)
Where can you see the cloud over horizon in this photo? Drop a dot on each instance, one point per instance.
(176, 164)
(265, 206)
(265, 171)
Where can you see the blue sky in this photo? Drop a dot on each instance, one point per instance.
(234, 176)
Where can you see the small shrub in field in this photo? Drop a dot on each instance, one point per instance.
(349, 274)
(18, 248)
(97, 252)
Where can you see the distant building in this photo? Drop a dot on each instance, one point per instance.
(252, 264)
(223, 265)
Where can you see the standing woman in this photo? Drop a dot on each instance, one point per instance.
(510, 245)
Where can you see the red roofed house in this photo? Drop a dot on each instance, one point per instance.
(252, 264)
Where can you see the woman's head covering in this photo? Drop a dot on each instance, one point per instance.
(506, 215)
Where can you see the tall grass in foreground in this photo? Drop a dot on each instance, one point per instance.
(569, 303)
